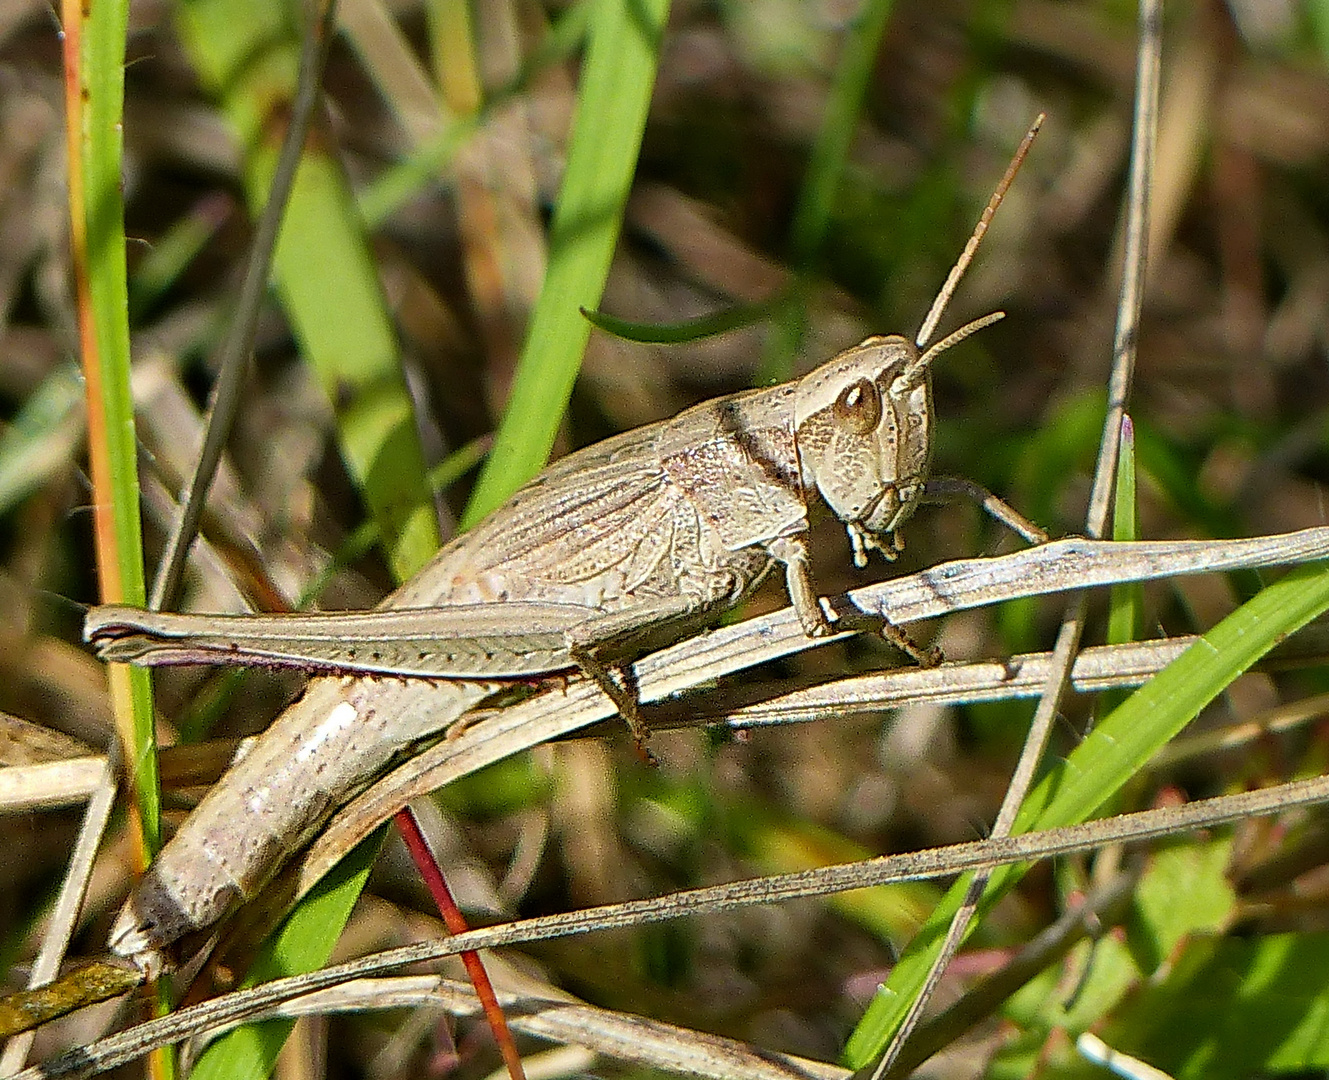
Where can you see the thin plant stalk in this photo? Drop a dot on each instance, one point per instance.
(455, 921)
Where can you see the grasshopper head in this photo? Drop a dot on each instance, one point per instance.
(863, 428)
(863, 421)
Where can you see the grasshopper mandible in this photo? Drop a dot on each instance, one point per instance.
(628, 544)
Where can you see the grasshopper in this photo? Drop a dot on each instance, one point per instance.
(623, 546)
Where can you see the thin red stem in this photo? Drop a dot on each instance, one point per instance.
(453, 919)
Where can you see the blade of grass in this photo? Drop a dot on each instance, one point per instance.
(613, 96)
(426, 863)
(94, 54)
(324, 273)
(679, 333)
(1124, 611)
(441, 477)
(175, 250)
(816, 199)
(40, 440)
(1317, 13)
(94, 84)
(1125, 602)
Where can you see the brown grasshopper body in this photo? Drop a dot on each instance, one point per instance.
(618, 545)
(650, 534)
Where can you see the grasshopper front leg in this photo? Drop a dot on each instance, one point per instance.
(947, 489)
(792, 553)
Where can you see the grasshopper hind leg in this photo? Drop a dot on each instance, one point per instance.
(619, 682)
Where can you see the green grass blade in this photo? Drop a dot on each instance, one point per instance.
(330, 289)
(1317, 13)
(1076, 787)
(323, 271)
(816, 199)
(1125, 602)
(679, 333)
(441, 477)
(174, 251)
(617, 77)
(381, 199)
(104, 299)
(94, 49)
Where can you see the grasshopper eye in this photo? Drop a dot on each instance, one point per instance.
(859, 407)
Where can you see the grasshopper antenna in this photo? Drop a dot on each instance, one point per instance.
(915, 372)
(967, 256)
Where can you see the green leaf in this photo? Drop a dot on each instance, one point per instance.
(1125, 602)
(679, 333)
(1234, 1008)
(1185, 892)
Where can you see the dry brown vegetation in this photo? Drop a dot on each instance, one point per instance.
(1231, 406)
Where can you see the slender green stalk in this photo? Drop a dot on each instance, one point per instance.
(617, 77)
(94, 46)
(1125, 602)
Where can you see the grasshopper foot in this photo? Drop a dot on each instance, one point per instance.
(925, 657)
(855, 619)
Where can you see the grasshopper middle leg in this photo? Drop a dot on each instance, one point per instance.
(604, 645)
